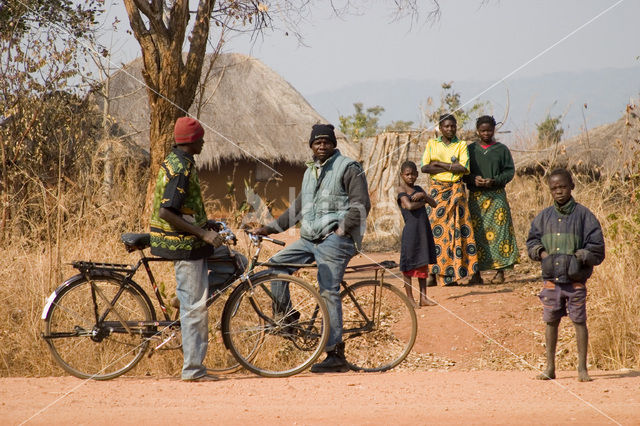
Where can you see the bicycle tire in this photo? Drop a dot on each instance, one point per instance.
(219, 359)
(86, 349)
(289, 342)
(386, 339)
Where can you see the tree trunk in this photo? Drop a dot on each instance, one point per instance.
(381, 159)
(163, 117)
(171, 82)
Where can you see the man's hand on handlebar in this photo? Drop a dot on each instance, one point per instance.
(213, 238)
(263, 230)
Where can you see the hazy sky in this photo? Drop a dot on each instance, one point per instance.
(471, 40)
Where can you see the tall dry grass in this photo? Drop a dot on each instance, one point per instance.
(75, 222)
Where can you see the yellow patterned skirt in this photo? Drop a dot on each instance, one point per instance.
(456, 251)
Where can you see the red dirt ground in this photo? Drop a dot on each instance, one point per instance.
(450, 377)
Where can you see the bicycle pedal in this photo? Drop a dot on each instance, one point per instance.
(168, 344)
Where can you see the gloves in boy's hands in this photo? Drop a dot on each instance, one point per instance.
(582, 255)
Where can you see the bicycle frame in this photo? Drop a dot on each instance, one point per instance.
(149, 328)
(379, 270)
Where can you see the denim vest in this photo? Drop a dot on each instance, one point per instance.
(324, 200)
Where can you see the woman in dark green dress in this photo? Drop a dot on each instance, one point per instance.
(491, 168)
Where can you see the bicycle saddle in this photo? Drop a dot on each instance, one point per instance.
(136, 241)
(388, 264)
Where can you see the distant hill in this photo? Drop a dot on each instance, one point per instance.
(606, 93)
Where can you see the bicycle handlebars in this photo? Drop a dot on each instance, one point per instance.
(223, 229)
(255, 239)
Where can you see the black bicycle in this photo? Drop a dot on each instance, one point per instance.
(99, 323)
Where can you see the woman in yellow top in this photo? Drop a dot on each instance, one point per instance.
(446, 159)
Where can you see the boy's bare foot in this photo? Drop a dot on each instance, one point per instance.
(498, 278)
(413, 303)
(428, 302)
(547, 374)
(583, 376)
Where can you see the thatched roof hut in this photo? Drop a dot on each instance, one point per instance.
(255, 123)
(611, 149)
(247, 109)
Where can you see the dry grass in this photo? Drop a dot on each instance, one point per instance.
(75, 224)
(35, 263)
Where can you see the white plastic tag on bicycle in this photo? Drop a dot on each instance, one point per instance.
(47, 306)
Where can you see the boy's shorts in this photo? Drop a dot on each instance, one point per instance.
(558, 299)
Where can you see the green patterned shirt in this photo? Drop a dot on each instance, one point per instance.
(178, 189)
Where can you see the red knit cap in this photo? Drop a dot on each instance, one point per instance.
(187, 130)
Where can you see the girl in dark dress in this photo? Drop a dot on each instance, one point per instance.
(418, 249)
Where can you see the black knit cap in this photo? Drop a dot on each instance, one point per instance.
(325, 131)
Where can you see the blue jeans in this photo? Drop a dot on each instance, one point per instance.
(332, 256)
(192, 289)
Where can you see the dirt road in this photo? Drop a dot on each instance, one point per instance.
(449, 378)
(441, 397)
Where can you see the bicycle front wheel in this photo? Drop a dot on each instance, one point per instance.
(103, 349)
(269, 336)
(219, 360)
(379, 326)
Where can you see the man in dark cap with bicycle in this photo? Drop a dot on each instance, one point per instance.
(177, 233)
(332, 209)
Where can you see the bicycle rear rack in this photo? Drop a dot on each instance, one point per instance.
(84, 266)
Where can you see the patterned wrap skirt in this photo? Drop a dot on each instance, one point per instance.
(452, 232)
(493, 229)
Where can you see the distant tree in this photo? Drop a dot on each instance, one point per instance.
(19, 19)
(450, 103)
(549, 131)
(398, 126)
(42, 110)
(363, 123)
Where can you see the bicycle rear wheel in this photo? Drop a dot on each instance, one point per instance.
(103, 350)
(268, 338)
(379, 326)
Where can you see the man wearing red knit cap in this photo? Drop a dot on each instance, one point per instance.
(177, 233)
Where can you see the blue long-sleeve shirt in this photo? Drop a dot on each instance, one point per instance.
(561, 236)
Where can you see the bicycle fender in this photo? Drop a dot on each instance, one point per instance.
(260, 274)
(58, 290)
(69, 282)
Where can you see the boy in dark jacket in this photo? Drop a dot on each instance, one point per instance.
(567, 239)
